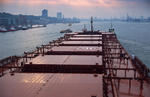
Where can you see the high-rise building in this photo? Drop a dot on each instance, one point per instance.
(5, 21)
(128, 17)
(44, 13)
(59, 15)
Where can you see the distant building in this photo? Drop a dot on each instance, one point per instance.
(59, 15)
(142, 18)
(22, 20)
(5, 21)
(44, 13)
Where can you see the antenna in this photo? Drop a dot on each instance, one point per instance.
(92, 24)
(111, 26)
(84, 26)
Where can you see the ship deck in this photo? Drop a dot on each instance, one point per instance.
(76, 65)
(51, 85)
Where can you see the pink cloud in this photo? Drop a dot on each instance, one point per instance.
(6, 1)
(64, 2)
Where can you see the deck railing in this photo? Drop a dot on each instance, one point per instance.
(141, 67)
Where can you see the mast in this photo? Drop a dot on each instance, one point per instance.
(92, 30)
(111, 25)
(84, 26)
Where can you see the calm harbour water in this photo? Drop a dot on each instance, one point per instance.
(135, 37)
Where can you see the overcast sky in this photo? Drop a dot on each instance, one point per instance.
(78, 8)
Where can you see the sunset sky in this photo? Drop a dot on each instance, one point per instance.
(78, 8)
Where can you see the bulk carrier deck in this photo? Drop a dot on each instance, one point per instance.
(80, 64)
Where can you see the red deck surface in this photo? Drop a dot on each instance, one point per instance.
(51, 85)
(87, 35)
(76, 48)
(85, 38)
(81, 42)
(67, 59)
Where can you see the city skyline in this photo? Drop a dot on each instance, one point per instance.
(78, 8)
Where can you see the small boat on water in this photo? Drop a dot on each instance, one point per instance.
(12, 29)
(19, 27)
(29, 26)
(2, 29)
(24, 28)
(66, 31)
